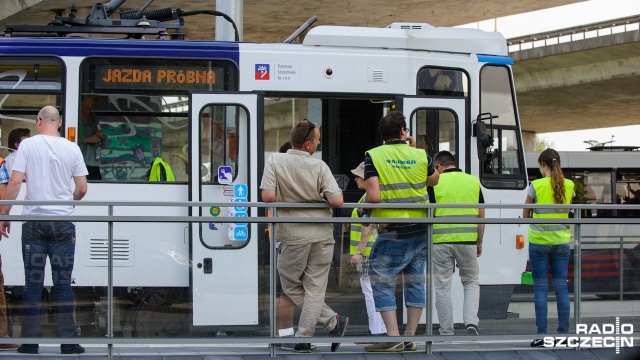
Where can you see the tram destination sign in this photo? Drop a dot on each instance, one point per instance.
(126, 77)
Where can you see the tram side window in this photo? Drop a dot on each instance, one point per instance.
(136, 131)
(442, 82)
(628, 192)
(504, 164)
(134, 118)
(26, 86)
(436, 131)
(218, 145)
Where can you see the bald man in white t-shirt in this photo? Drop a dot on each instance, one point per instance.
(54, 170)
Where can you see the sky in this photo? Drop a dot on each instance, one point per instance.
(562, 17)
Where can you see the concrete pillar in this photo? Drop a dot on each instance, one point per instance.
(224, 29)
(529, 140)
(12, 7)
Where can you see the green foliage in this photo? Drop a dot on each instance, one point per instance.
(543, 144)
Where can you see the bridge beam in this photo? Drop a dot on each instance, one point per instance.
(585, 84)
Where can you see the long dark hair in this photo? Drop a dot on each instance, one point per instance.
(551, 158)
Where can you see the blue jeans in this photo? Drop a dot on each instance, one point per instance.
(556, 257)
(56, 240)
(391, 257)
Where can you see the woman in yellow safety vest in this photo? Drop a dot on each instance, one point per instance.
(549, 243)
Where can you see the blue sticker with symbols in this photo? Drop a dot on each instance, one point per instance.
(241, 233)
(240, 208)
(240, 190)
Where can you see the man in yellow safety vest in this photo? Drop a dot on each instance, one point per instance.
(456, 243)
(398, 173)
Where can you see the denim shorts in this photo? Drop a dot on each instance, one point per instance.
(391, 257)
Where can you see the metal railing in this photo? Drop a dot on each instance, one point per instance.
(428, 338)
(575, 33)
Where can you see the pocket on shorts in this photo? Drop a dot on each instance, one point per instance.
(393, 252)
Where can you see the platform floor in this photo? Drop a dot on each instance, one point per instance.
(463, 350)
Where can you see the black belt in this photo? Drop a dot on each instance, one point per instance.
(405, 231)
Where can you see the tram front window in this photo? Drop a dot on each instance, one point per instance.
(504, 165)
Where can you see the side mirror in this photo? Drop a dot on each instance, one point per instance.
(485, 138)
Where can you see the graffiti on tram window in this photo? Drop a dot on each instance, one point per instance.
(137, 134)
(129, 157)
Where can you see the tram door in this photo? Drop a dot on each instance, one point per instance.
(224, 274)
(439, 124)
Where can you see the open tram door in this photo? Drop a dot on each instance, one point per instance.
(439, 124)
(224, 264)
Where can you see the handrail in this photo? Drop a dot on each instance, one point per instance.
(341, 220)
(322, 205)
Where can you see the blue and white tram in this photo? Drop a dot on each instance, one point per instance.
(214, 111)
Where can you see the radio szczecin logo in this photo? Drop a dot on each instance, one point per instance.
(595, 336)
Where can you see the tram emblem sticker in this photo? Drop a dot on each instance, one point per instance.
(262, 72)
(225, 175)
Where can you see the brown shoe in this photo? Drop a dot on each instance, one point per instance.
(9, 346)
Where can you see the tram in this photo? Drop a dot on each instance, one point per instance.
(214, 111)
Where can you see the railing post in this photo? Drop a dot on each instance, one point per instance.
(429, 281)
(110, 285)
(621, 275)
(272, 283)
(577, 271)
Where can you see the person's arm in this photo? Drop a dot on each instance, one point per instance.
(362, 245)
(13, 188)
(412, 141)
(433, 176)
(81, 187)
(268, 184)
(268, 195)
(372, 187)
(432, 180)
(526, 212)
(329, 189)
(336, 201)
(93, 139)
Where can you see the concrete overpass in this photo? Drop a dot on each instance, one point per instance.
(582, 84)
(275, 20)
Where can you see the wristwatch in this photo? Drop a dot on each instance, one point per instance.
(358, 252)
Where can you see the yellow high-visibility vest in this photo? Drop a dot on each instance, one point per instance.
(402, 174)
(161, 171)
(355, 235)
(550, 234)
(456, 187)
